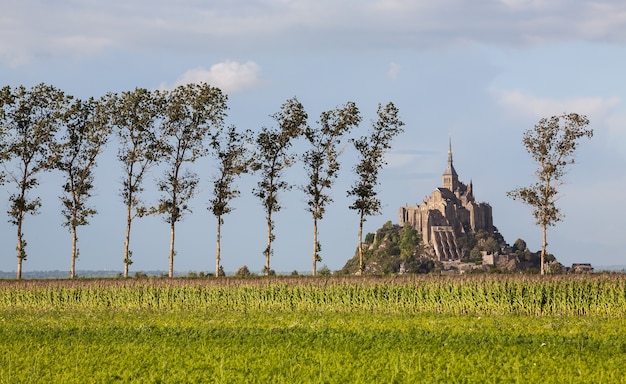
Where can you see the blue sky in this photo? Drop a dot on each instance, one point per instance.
(478, 72)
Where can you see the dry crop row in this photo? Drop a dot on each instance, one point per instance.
(603, 295)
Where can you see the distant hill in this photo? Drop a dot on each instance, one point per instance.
(399, 249)
(611, 268)
(392, 249)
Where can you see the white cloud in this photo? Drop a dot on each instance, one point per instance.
(606, 115)
(394, 71)
(229, 76)
(524, 104)
(32, 29)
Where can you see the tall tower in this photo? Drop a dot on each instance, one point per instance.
(450, 179)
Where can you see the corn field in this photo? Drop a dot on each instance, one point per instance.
(574, 295)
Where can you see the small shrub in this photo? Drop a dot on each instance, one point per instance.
(140, 275)
(324, 271)
(243, 271)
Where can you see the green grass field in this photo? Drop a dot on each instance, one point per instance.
(372, 330)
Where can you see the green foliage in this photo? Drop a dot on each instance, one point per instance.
(301, 330)
(86, 132)
(371, 149)
(324, 271)
(309, 347)
(30, 119)
(472, 243)
(551, 144)
(85, 135)
(388, 226)
(243, 271)
(390, 250)
(231, 150)
(519, 245)
(408, 242)
(475, 255)
(565, 295)
(272, 157)
(467, 243)
(272, 153)
(321, 162)
(491, 245)
(135, 116)
(189, 114)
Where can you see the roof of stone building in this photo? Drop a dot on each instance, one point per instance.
(450, 168)
(446, 193)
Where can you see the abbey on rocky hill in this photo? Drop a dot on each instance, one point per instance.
(448, 213)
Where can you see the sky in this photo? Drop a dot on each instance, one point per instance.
(478, 73)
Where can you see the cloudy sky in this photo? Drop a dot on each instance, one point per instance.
(477, 72)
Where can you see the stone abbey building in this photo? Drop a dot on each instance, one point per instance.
(448, 213)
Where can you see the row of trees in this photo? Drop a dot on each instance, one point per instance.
(43, 129)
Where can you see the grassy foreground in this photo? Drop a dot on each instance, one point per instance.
(410, 330)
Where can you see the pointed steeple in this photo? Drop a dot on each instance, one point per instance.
(450, 177)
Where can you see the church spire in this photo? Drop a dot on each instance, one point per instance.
(450, 177)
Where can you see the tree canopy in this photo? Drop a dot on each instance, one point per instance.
(30, 120)
(322, 164)
(551, 144)
(272, 157)
(371, 149)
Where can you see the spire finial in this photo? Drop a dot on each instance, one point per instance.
(450, 151)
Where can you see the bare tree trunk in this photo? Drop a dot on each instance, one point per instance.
(21, 254)
(218, 247)
(361, 244)
(544, 226)
(314, 270)
(268, 250)
(20, 251)
(74, 253)
(19, 268)
(172, 233)
(544, 245)
(129, 221)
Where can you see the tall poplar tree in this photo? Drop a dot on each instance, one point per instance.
(322, 165)
(372, 149)
(30, 119)
(136, 116)
(86, 132)
(551, 144)
(231, 149)
(191, 112)
(272, 157)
